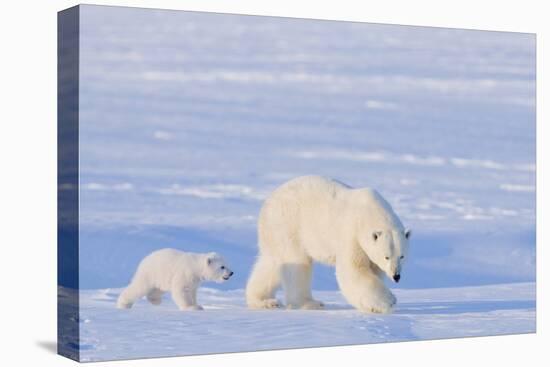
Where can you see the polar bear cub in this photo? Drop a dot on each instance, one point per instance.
(178, 272)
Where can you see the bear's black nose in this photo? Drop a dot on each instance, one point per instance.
(230, 273)
(396, 277)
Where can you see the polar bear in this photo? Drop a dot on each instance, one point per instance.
(178, 272)
(313, 218)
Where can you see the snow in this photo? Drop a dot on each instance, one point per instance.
(189, 120)
(227, 325)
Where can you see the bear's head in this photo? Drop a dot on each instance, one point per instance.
(216, 268)
(387, 248)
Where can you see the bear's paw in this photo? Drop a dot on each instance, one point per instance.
(376, 305)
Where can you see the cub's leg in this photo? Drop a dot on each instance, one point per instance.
(185, 297)
(135, 290)
(155, 296)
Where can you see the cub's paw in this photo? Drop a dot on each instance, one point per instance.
(313, 304)
(193, 308)
(123, 305)
(269, 303)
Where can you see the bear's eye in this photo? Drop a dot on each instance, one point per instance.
(223, 267)
(387, 258)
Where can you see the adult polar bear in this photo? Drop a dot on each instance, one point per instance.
(312, 218)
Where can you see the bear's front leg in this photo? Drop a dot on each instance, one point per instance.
(380, 288)
(363, 289)
(377, 298)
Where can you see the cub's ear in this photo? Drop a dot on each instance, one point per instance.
(376, 235)
(209, 258)
(408, 233)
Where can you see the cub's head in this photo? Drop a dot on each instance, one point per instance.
(387, 248)
(216, 268)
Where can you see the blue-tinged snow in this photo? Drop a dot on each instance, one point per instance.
(189, 120)
(226, 325)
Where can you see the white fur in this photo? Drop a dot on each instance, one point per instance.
(312, 218)
(178, 272)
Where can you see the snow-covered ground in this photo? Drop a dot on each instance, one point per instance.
(227, 325)
(188, 120)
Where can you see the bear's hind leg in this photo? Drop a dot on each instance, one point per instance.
(297, 286)
(263, 283)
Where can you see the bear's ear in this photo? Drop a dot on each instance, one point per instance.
(408, 233)
(376, 235)
(211, 257)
